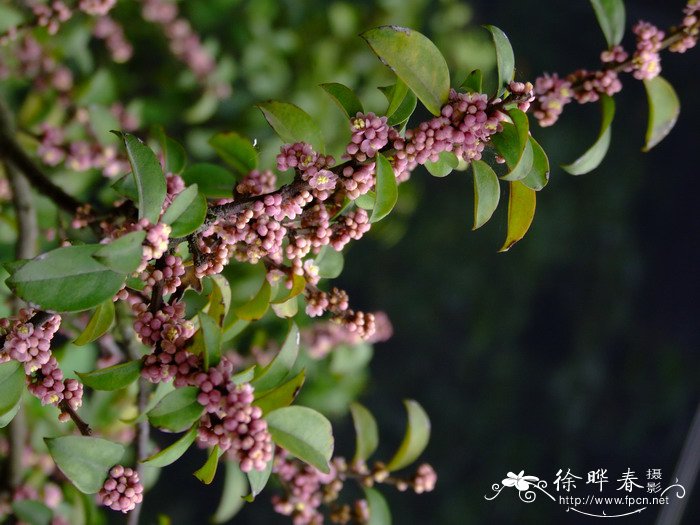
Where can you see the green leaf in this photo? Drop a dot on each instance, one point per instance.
(257, 306)
(595, 154)
(7, 417)
(444, 165)
(32, 512)
(126, 186)
(474, 82)
(149, 177)
(395, 95)
(66, 279)
(175, 157)
(235, 489)
(298, 286)
(330, 263)
(611, 17)
(366, 201)
(487, 192)
(379, 512)
(292, 123)
(504, 58)
(539, 174)
(281, 396)
(208, 471)
(187, 212)
(415, 60)
(521, 211)
(177, 410)
(287, 309)
(513, 145)
(219, 299)
(345, 98)
(664, 108)
(366, 432)
(245, 376)
(404, 111)
(237, 151)
(84, 460)
(174, 452)
(213, 181)
(415, 439)
(258, 480)
(113, 377)
(122, 255)
(100, 323)
(304, 433)
(386, 189)
(11, 386)
(209, 334)
(278, 369)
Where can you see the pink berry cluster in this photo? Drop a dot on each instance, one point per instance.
(370, 134)
(311, 166)
(646, 58)
(122, 490)
(97, 7)
(154, 246)
(51, 15)
(551, 94)
(168, 274)
(307, 488)
(27, 343)
(230, 420)
(321, 338)
(424, 479)
(32, 61)
(257, 182)
(112, 33)
(689, 28)
(523, 92)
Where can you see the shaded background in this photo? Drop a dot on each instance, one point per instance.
(578, 348)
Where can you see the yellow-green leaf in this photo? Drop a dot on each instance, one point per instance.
(415, 439)
(664, 108)
(487, 192)
(100, 322)
(521, 211)
(595, 154)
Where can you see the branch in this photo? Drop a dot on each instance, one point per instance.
(82, 426)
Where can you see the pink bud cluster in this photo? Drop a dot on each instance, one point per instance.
(591, 84)
(524, 92)
(424, 479)
(646, 59)
(370, 134)
(152, 327)
(321, 338)
(122, 490)
(107, 29)
(230, 420)
(97, 7)
(51, 15)
(169, 275)
(257, 182)
(185, 44)
(312, 167)
(48, 385)
(28, 344)
(33, 62)
(306, 488)
(155, 244)
(689, 27)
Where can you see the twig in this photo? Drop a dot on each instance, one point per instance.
(82, 426)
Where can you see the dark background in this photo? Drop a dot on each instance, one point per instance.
(578, 348)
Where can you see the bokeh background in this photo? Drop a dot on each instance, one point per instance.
(577, 349)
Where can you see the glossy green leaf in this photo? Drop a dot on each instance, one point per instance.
(113, 377)
(177, 410)
(539, 173)
(122, 255)
(11, 386)
(287, 309)
(330, 263)
(85, 460)
(505, 59)
(281, 396)
(219, 299)
(187, 212)
(237, 151)
(595, 154)
(258, 480)
(257, 306)
(404, 111)
(175, 157)
(611, 17)
(99, 324)
(513, 145)
(150, 181)
(487, 192)
(292, 123)
(7, 417)
(298, 286)
(32, 512)
(395, 95)
(208, 471)
(379, 512)
(66, 279)
(386, 189)
(444, 165)
(278, 369)
(366, 201)
(213, 181)
(474, 82)
(415, 60)
(304, 433)
(126, 187)
(521, 211)
(415, 439)
(210, 335)
(171, 454)
(345, 98)
(235, 489)
(664, 108)
(366, 432)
